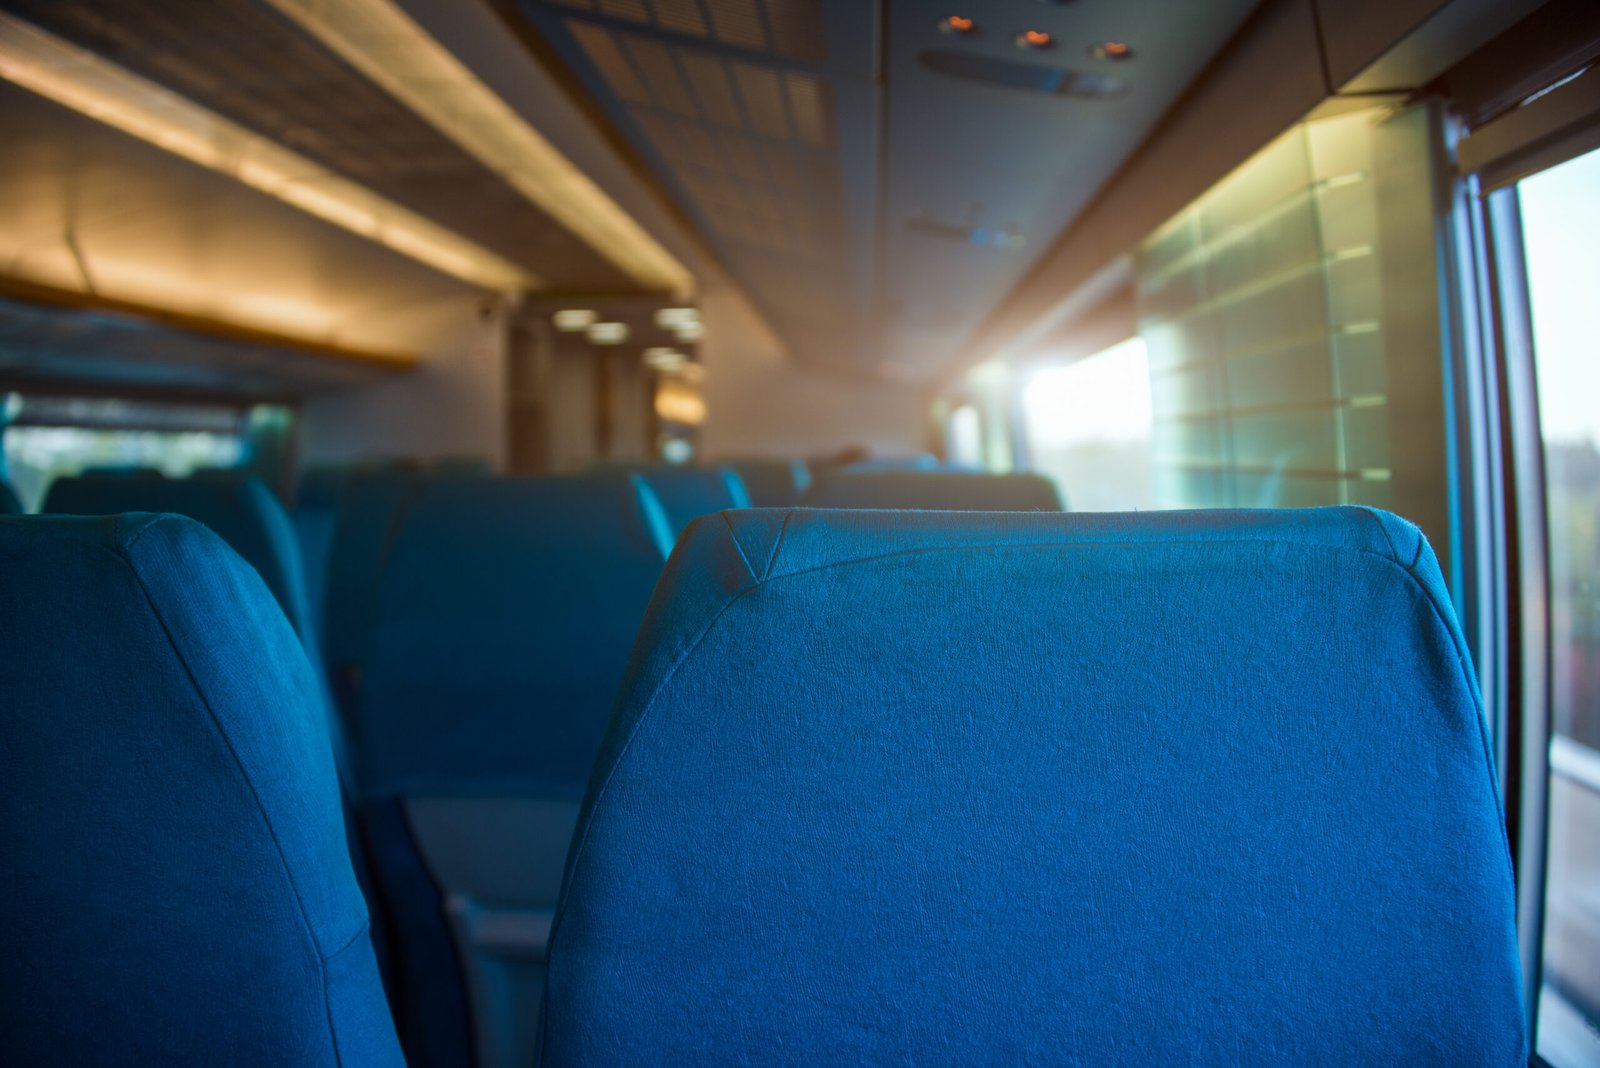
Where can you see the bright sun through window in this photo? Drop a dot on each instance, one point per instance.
(1088, 427)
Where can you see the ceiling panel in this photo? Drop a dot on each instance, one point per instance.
(246, 62)
(761, 118)
(87, 208)
(878, 215)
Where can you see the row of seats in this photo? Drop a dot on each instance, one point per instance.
(811, 708)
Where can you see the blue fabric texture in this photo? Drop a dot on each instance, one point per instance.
(9, 504)
(315, 514)
(370, 505)
(773, 483)
(505, 616)
(176, 879)
(960, 788)
(934, 491)
(242, 511)
(687, 493)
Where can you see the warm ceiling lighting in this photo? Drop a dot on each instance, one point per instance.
(672, 318)
(80, 80)
(666, 360)
(678, 402)
(1034, 39)
(1111, 50)
(608, 333)
(960, 25)
(383, 42)
(575, 320)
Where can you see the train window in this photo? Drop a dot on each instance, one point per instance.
(964, 437)
(1088, 427)
(1560, 216)
(49, 437)
(1292, 324)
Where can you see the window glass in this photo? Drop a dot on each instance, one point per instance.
(1088, 426)
(55, 437)
(1561, 236)
(1292, 319)
(964, 437)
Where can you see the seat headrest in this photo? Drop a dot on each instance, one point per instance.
(240, 509)
(773, 483)
(506, 611)
(974, 788)
(935, 491)
(687, 493)
(178, 888)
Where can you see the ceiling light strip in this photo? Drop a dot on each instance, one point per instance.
(386, 45)
(84, 82)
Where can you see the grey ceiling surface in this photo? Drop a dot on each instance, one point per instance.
(876, 208)
(245, 61)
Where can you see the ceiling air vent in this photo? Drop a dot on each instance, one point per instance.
(1029, 77)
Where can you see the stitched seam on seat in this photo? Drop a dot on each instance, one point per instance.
(205, 700)
(776, 544)
(627, 745)
(1368, 511)
(733, 536)
(1390, 561)
(922, 550)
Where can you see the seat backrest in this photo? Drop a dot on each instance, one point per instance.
(687, 493)
(773, 483)
(370, 503)
(241, 510)
(315, 516)
(10, 504)
(960, 491)
(506, 611)
(970, 788)
(176, 881)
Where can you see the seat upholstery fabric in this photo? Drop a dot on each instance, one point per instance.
(891, 788)
(773, 483)
(960, 491)
(687, 493)
(175, 875)
(505, 615)
(9, 503)
(241, 510)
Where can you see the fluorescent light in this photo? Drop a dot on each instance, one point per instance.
(689, 333)
(671, 318)
(608, 333)
(92, 86)
(386, 45)
(665, 360)
(575, 320)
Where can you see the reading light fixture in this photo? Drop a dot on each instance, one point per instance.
(575, 320)
(84, 82)
(382, 41)
(608, 333)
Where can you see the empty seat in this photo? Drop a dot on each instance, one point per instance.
(898, 788)
(370, 504)
(176, 882)
(506, 611)
(241, 510)
(9, 503)
(936, 491)
(773, 483)
(315, 515)
(687, 493)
